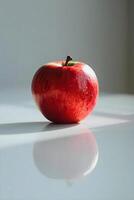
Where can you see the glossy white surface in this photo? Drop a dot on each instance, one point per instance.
(91, 160)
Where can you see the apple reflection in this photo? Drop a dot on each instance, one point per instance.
(70, 157)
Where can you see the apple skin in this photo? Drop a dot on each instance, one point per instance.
(65, 94)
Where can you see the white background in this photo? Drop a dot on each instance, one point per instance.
(95, 31)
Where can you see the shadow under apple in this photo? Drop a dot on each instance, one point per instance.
(31, 127)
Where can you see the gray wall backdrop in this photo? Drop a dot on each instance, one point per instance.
(131, 46)
(33, 32)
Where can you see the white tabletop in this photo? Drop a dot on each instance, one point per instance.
(91, 160)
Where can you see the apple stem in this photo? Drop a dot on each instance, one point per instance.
(67, 60)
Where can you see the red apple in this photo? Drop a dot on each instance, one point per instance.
(65, 91)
